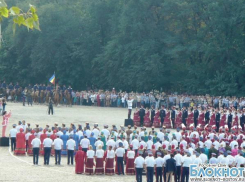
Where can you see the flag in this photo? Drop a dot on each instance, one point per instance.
(52, 79)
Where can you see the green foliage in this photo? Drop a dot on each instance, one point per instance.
(174, 45)
(28, 19)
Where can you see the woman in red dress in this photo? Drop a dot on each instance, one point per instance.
(235, 120)
(136, 118)
(201, 120)
(130, 170)
(98, 99)
(109, 166)
(42, 137)
(156, 122)
(190, 118)
(147, 121)
(99, 158)
(31, 137)
(167, 121)
(79, 159)
(178, 120)
(212, 119)
(5, 122)
(223, 119)
(89, 169)
(20, 143)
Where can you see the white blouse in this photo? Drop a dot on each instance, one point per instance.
(99, 153)
(90, 154)
(130, 154)
(110, 154)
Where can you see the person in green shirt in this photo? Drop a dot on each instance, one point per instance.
(155, 138)
(103, 139)
(146, 136)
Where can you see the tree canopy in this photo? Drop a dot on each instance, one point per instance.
(174, 45)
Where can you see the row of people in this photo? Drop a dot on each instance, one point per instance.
(174, 118)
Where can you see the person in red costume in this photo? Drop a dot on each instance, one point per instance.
(42, 137)
(31, 137)
(5, 122)
(53, 137)
(20, 143)
(79, 159)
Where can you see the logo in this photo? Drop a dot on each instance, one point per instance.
(216, 172)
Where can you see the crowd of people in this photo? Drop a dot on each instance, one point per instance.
(107, 150)
(113, 98)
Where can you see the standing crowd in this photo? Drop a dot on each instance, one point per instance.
(130, 150)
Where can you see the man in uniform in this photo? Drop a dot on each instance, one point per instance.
(196, 114)
(207, 116)
(173, 115)
(35, 87)
(184, 115)
(4, 85)
(217, 119)
(142, 114)
(36, 142)
(69, 89)
(229, 119)
(17, 86)
(162, 114)
(149, 166)
(10, 87)
(139, 164)
(12, 136)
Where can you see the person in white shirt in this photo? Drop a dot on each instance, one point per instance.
(57, 145)
(130, 170)
(136, 144)
(225, 160)
(186, 161)
(142, 142)
(239, 159)
(98, 143)
(111, 142)
(105, 131)
(197, 159)
(208, 143)
(120, 152)
(109, 167)
(220, 157)
(178, 135)
(36, 142)
(47, 144)
(149, 143)
(125, 144)
(12, 135)
(85, 143)
(149, 165)
(159, 161)
(70, 145)
(203, 157)
(178, 159)
(96, 131)
(174, 142)
(99, 158)
(90, 161)
(19, 126)
(216, 144)
(233, 143)
(184, 143)
(139, 164)
(130, 104)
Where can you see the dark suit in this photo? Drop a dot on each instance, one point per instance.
(173, 114)
(170, 168)
(162, 115)
(217, 120)
(229, 120)
(142, 114)
(207, 117)
(184, 116)
(196, 114)
(152, 115)
(242, 121)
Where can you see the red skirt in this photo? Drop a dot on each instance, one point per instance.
(99, 168)
(89, 170)
(29, 151)
(41, 152)
(130, 167)
(109, 167)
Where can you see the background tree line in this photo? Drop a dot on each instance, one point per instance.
(177, 45)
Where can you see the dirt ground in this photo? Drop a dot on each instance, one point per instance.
(20, 168)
